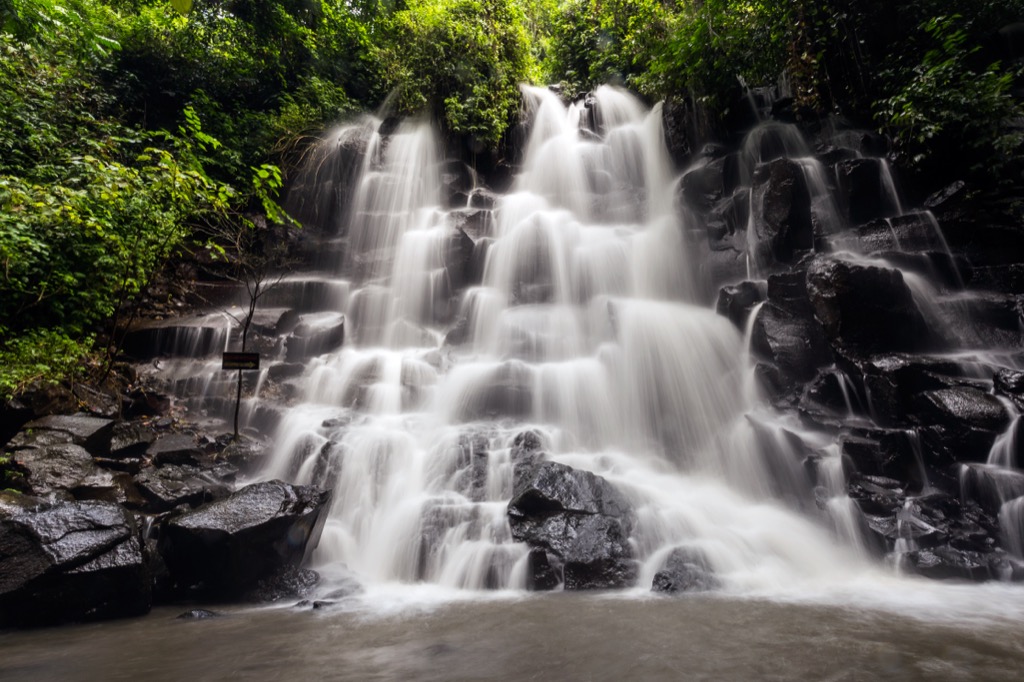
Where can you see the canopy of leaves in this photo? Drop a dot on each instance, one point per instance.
(462, 59)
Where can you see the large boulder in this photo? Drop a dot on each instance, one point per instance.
(865, 307)
(161, 489)
(579, 518)
(92, 433)
(961, 424)
(233, 546)
(71, 561)
(794, 343)
(786, 333)
(781, 206)
(68, 471)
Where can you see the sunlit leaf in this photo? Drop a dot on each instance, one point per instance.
(183, 7)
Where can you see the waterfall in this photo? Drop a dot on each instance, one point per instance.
(582, 326)
(438, 324)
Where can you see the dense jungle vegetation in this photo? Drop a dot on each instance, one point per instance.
(134, 128)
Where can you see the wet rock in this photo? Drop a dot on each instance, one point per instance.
(681, 129)
(198, 614)
(793, 343)
(457, 182)
(909, 232)
(728, 265)
(291, 582)
(92, 433)
(229, 547)
(44, 399)
(990, 486)
(781, 211)
(1007, 278)
(735, 302)
(130, 440)
(541, 576)
(482, 197)
(1010, 384)
(67, 471)
(891, 453)
(315, 337)
(945, 270)
(13, 415)
(472, 480)
(528, 446)
(143, 402)
(178, 337)
(945, 563)
(865, 189)
(865, 307)
(948, 194)
(892, 382)
(963, 407)
(962, 424)
(701, 187)
(97, 402)
(578, 517)
(508, 392)
(244, 454)
(175, 448)
(685, 570)
(877, 496)
(458, 259)
(164, 488)
(728, 221)
(832, 392)
(72, 561)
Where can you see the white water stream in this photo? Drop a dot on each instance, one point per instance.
(584, 327)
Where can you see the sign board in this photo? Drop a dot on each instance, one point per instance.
(240, 361)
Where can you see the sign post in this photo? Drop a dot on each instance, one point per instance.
(240, 361)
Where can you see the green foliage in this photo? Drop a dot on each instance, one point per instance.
(462, 60)
(259, 73)
(74, 250)
(948, 102)
(595, 42)
(713, 44)
(40, 355)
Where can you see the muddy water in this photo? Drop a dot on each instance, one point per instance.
(552, 637)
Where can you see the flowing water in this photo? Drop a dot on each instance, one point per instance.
(585, 326)
(585, 323)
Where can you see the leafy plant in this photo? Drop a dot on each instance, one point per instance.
(948, 102)
(461, 60)
(40, 355)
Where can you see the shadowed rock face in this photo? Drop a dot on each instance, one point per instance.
(782, 211)
(68, 562)
(232, 546)
(577, 517)
(865, 307)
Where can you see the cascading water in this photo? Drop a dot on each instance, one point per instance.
(582, 327)
(433, 334)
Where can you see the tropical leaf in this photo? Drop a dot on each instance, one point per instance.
(183, 7)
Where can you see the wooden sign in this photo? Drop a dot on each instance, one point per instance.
(240, 361)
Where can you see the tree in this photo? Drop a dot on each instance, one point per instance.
(256, 249)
